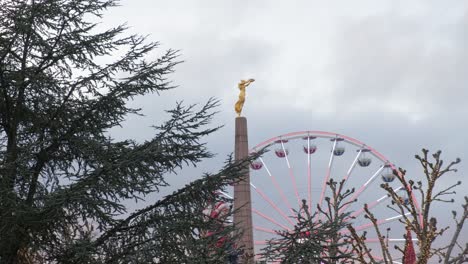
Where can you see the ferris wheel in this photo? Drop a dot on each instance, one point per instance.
(297, 167)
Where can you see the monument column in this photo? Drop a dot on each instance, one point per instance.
(242, 200)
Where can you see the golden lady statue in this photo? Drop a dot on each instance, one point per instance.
(240, 103)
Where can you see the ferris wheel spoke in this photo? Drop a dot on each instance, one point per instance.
(309, 172)
(309, 175)
(375, 203)
(225, 195)
(291, 174)
(271, 203)
(362, 188)
(265, 230)
(327, 176)
(389, 240)
(277, 187)
(309, 186)
(260, 242)
(269, 219)
(285, 154)
(353, 165)
(379, 222)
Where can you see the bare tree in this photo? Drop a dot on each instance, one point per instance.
(420, 220)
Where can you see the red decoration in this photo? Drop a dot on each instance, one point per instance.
(409, 256)
(215, 212)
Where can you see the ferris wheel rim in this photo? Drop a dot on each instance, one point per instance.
(322, 134)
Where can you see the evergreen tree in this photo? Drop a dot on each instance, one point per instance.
(317, 238)
(63, 180)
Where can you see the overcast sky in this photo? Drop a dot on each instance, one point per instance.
(392, 74)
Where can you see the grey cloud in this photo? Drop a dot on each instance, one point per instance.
(419, 62)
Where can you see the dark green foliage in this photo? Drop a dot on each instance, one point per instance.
(63, 180)
(317, 238)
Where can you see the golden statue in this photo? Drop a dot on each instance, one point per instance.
(240, 103)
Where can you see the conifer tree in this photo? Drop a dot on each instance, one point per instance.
(317, 237)
(63, 179)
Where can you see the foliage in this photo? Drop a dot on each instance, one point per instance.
(63, 180)
(317, 237)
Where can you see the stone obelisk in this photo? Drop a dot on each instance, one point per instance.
(242, 199)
